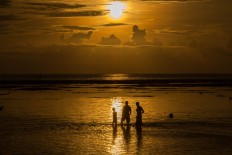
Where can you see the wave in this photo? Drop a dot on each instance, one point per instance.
(172, 80)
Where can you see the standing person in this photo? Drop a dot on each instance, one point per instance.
(114, 117)
(126, 113)
(139, 111)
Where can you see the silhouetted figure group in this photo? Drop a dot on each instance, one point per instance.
(126, 112)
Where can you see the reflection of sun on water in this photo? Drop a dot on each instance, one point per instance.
(116, 77)
(117, 104)
(118, 143)
(116, 9)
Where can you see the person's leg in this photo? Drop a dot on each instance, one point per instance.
(138, 121)
(141, 121)
(128, 120)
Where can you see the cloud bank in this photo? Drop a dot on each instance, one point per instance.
(114, 24)
(71, 58)
(76, 37)
(111, 40)
(56, 5)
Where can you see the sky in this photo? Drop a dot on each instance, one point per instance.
(105, 36)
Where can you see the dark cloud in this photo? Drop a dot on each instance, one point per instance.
(57, 5)
(111, 40)
(76, 37)
(114, 24)
(138, 36)
(175, 32)
(79, 13)
(56, 9)
(78, 28)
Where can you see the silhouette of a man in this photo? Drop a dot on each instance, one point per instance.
(139, 111)
(126, 113)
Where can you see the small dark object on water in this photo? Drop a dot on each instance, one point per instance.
(170, 115)
(230, 98)
(1, 108)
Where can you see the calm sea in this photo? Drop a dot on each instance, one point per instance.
(155, 79)
(72, 114)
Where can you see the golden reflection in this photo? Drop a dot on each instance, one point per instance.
(113, 77)
(117, 104)
(116, 9)
(121, 140)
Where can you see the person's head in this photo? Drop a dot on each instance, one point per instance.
(137, 103)
(126, 102)
(113, 109)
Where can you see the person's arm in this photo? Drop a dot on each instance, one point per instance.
(142, 110)
(130, 111)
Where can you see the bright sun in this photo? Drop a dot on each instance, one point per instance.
(116, 9)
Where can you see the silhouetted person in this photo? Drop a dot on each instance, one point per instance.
(114, 117)
(138, 35)
(1, 108)
(126, 113)
(139, 111)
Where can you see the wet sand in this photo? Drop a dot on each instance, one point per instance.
(48, 136)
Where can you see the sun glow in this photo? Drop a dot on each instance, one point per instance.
(117, 104)
(116, 9)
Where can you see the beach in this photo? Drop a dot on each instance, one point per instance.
(68, 68)
(73, 116)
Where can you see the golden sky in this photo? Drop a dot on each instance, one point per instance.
(86, 36)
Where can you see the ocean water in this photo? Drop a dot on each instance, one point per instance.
(71, 114)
